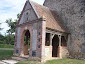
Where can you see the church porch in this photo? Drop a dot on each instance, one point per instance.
(56, 45)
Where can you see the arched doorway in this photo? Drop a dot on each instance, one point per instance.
(26, 42)
(55, 44)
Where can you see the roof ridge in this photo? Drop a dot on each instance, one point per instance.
(31, 2)
(39, 4)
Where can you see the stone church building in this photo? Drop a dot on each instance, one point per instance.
(54, 30)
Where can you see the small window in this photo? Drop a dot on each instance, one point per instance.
(17, 51)
(39, 33)
(39, 40)
(38, 46)
(33, 53)
(27, 13)
(39, 27)
(27, 19)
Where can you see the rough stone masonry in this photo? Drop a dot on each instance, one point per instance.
(72, 14)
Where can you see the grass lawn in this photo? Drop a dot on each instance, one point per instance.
(66, 61)
(6, 46)
(58, 61)
(6, 54)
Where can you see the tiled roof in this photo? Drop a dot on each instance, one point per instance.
(51, 17)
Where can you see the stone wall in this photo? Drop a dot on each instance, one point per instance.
(64, 52)
(48, 52)
(72, 15)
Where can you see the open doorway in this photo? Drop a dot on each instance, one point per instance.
(26, 42)
(55, 44)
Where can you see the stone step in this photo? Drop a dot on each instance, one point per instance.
(19, 58)
(34, 58)
(2, 62)
(26, 58)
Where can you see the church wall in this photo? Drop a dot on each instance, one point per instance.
(72, 13)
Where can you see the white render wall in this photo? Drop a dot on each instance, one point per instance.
(18, 37)
(34, 39)
(31, 14)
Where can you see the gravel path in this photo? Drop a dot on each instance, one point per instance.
(2, 62)
(8, 62)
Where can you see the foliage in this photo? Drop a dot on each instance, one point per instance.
(0, 27)
(27, 43)
(1, 39)
(12, 26)
(6, 46)
(6, 54)
(8, 39)
(58, 61)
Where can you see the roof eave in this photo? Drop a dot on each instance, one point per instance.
(58, 30)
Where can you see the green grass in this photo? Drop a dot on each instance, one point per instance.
(6, 46)
(58, 61)
(66, 61)
(6, 54)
